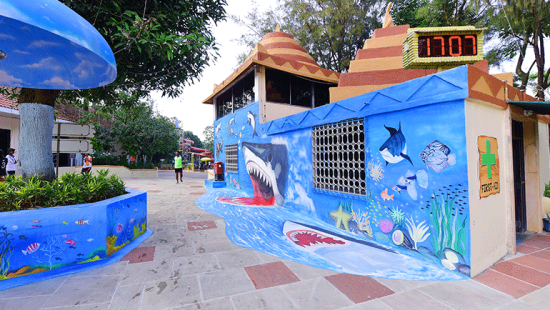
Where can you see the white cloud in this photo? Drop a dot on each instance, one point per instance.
(6, 36)
(46, 63)
(58, 83)
(85, 69)
(42, 43)
(9, 80)
(22, 52)
(303, 199)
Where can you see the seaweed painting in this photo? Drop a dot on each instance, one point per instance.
(6, 250)
(448, 222)
(51, 248)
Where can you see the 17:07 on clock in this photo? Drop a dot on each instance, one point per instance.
(447, 46)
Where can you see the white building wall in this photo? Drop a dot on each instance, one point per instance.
(490, 216)
(10, 122)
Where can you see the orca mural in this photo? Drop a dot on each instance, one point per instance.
(373, 185)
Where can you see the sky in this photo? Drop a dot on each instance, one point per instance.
(189, 109)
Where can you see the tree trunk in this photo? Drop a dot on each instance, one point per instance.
(36, 112)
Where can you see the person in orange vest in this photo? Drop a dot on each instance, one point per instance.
(87, 166)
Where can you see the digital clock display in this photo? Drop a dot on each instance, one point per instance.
(447, 46)
(442, 47)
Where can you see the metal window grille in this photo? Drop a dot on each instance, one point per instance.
(232, 158)
(339, 157)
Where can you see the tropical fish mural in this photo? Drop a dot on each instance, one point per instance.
(403, 215)
(394, 149)
(67, 236)
(437, 156)
(409, 182)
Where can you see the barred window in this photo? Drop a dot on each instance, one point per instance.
(232, 158)
(339, 157)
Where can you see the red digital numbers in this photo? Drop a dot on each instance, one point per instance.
(447, 46)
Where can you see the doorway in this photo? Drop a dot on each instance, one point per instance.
(5, 139)
(519, 176)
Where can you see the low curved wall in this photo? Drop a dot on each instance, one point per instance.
(121, 171)
(37, 243)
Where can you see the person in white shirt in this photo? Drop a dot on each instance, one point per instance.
(10, 167)
(87, 164)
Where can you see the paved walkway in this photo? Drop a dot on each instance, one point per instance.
(189, 263)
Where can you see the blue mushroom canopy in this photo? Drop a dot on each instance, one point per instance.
(46, 45)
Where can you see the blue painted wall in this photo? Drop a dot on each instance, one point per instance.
(33, 241)
(416, 204)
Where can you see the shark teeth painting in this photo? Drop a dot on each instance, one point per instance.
(309, 238)
(267, 166)
(394, 149)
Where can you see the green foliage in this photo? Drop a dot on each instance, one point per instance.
(331, 31)
(17, 193)
(139, 131)
(208, 134)
(158, 44)
(111, 160)
(403, 12)
(441, 13)
(523, 26)
(547, 190)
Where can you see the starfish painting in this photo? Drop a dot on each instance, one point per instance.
(341, 217)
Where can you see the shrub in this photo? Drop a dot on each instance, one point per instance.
(547, 190)
(121, 161)
(17, 193)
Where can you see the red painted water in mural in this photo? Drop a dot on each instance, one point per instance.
(245, 201)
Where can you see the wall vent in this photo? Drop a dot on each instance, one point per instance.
(339, 158)
(232, 158)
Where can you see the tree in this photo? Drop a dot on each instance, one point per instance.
(331, 31)
(209, 138)
(440, 13)
(140, 131)
(523, 26)
(158, 45)
(189, 135)
(404, 12)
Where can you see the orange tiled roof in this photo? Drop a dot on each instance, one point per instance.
(279, 50)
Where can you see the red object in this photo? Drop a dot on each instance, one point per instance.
(188, 141)
(218, 171)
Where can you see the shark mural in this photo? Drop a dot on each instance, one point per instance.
(394, 149)
(267, 166)
(409, 222)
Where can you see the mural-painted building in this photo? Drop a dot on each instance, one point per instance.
(402, 173)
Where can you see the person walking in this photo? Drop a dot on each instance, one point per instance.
(178, 167)
(10, 166)
(87, 163)
(3, 164)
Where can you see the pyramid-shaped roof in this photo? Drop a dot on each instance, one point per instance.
(284, 45)
(280, 51)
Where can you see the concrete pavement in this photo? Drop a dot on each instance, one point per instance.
(189, 263)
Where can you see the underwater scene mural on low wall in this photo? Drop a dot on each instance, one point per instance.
(52, 239)
(374, 185)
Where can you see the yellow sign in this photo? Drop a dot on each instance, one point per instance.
(488, 166)
(442, 47)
